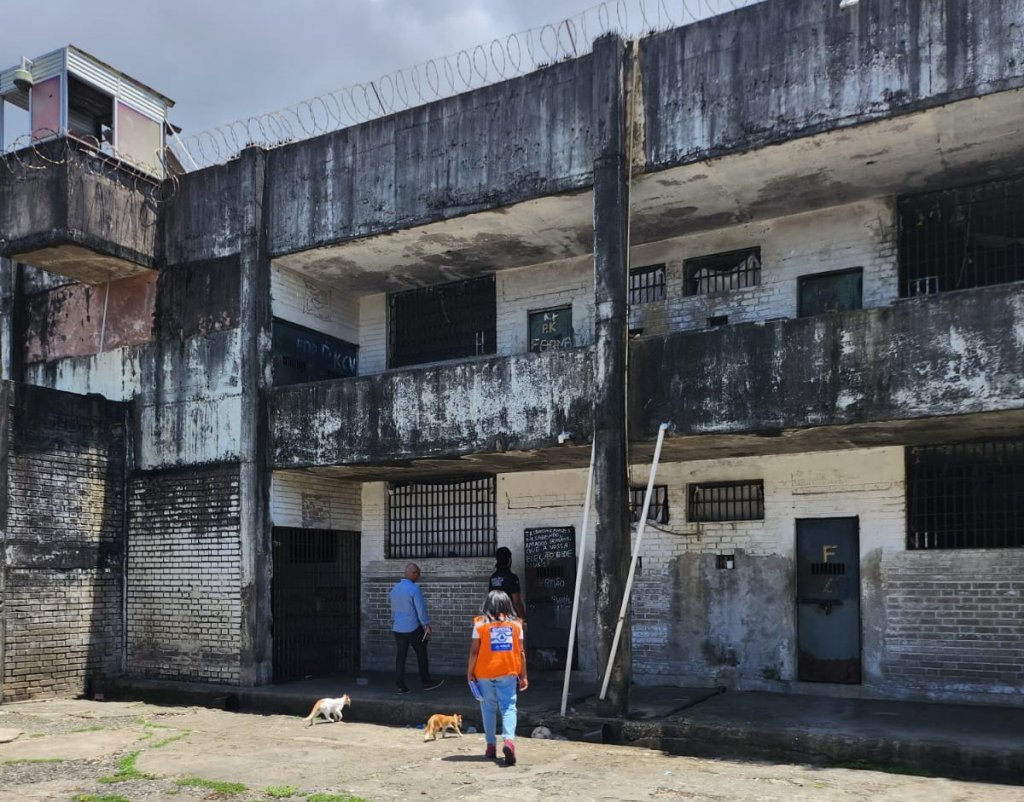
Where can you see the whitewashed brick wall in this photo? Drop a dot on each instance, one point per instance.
(310, 501)
(321, 307)
(532, 289)
(373, 334)
(860, 234)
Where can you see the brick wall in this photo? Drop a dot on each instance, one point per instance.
(62, 524)
(856, 235)
(955, 621)
(184, 575)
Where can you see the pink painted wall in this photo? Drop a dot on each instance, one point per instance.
(68, 321)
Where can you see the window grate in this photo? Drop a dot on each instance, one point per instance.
(961, 238)
(657, 512)
(722, 272)
(646, 284)
(443, 518)
(966, 495)
(447, 321)
(727, 501)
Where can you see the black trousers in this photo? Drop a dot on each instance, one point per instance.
(403, 640)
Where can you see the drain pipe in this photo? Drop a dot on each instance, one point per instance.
(632, 562)
(579, 576)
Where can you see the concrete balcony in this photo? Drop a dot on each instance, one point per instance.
(940, 367)
(66, 209)
(484, 414)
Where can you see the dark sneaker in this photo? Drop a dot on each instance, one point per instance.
(434, 683)
(509, 750)
(402, 690)
(491, 751)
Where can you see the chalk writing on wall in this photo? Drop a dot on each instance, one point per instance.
(551, 329)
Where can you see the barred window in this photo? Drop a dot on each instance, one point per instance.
(727, 501)
(442, 518)
(656, 513)
(966, 495)
(722, 272)
(646, 284)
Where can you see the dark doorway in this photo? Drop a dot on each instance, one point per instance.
(550, 583)
(828, 600)
(315, 602)
(838, 291)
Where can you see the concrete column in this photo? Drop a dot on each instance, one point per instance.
(6, 316)
(611, 208)
(254, 476)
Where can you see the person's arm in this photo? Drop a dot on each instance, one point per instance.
(474, 650)
(524, 683)
(518, 606)
(421, 610)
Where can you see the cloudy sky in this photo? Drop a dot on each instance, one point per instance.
(221, 60)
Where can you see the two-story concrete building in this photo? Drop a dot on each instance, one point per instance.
(238, 400)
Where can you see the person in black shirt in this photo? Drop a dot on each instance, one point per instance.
(503, 579)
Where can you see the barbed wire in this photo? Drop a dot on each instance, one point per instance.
(498, 60)
(46, 148)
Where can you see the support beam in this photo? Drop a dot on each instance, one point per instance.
(254, 476)
(611, 208)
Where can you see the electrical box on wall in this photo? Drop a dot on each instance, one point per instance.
(69, 93)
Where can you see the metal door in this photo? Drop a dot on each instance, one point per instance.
(828, 599)
(550, 553)
(315, 602)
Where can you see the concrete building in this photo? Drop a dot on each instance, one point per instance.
(238, 400)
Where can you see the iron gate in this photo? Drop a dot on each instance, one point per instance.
(315, 602)
(828, 599)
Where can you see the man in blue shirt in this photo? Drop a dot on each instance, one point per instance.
(411, 627)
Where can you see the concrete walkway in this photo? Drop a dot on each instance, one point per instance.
(958, 741)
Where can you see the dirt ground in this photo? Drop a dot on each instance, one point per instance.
(61, 749)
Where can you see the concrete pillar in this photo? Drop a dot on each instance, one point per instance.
(254, 475)
(611, 488)
(6, 316)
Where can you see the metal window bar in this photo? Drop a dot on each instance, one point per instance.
(646, 284)
(961, 238)
(442, 518)
(726, 501)
(657, 512)
(722, 272)
(966, 495)
(446, 321)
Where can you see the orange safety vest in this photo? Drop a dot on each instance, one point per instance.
(501, 648)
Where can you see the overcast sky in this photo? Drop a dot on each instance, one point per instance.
(221, 60)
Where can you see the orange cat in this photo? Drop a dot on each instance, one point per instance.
(439, 722)
(330, 709)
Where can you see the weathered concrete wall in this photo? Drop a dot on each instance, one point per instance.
(185, 601)
(948, 354)
(776, 70)
(444, 410)
(524, 138)
(201, 220)
(80, 206)
(62, 468)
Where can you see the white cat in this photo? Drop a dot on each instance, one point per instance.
(330, 709)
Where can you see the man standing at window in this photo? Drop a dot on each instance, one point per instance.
(411, 626)
(504, 580)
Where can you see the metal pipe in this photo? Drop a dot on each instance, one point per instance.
(632, 562)
(579, 575)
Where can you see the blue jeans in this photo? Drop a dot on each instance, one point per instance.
(499, 694)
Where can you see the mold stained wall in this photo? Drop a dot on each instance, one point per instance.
(86, 338)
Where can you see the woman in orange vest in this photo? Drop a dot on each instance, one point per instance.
(497, 665)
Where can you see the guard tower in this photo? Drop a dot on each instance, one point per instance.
(71, 93)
